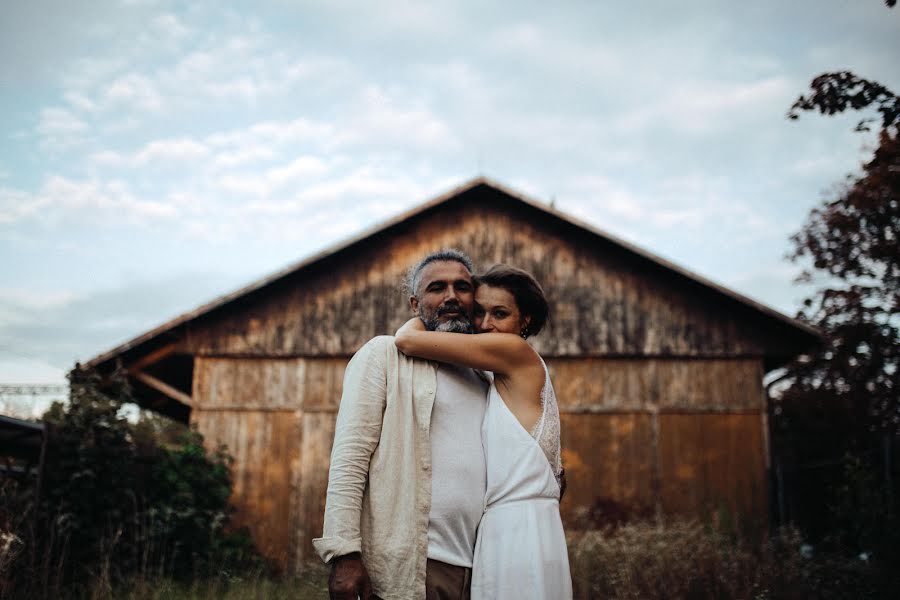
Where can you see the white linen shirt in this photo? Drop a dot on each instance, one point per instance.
(379, 482)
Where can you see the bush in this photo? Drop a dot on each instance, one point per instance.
(118, 503)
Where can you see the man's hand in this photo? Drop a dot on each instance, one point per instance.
(349, 579)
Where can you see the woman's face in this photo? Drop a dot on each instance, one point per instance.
(496, 311)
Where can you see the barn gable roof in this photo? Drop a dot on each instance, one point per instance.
(153, 339)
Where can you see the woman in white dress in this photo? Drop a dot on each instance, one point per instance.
(521, 548)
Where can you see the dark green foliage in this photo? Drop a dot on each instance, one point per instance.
(836, 92)
(866, 522)
(120, 501)
(88, 487)
(837, 417)
(854, 240)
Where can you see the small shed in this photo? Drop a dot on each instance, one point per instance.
(21, 447)
(659, 372)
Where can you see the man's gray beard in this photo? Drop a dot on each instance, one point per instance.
(455, 326)
(458, 325)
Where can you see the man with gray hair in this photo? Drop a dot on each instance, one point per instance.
(407, 478)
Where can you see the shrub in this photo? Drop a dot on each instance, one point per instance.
(119, 503)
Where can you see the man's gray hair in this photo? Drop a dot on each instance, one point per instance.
(411, 283)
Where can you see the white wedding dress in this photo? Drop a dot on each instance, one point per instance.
(520, 552)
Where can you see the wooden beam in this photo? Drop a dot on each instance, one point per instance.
(149, 359)
(163, 387)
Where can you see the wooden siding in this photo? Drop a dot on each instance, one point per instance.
(604, 301)
(597, 384)
(609, 459)
(647, 436)
(266, 453)
(276, 418)
(712, 462)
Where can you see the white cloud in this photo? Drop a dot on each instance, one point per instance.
(62, 199)
(79, 101)
(252, 186)
(299, 169)
(243, 156)
(273, 133)
(773, 281)
(59, 128)
(170, 25)
(15, 205)
(709, 107)
(607, 195)
(180, 152)
(34, 299)
(177, 150)
(539, 46)
(380, 119)
(134, 91)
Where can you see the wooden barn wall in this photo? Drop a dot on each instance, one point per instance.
(639, 436)
(276, 417)
(604, 302)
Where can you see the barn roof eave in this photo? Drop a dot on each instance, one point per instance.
(812, 334)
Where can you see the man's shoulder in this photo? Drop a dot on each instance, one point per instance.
(379, 342)
(382, 347)
(375, 349)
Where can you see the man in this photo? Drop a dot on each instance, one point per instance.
(407, 478)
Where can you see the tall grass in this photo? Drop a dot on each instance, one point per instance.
(673, 560)
(311, 583)
(685, 559)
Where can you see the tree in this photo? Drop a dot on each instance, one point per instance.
(844, 400)
(854, 241)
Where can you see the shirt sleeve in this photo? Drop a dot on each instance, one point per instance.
(356, 435)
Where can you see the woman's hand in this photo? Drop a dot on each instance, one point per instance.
(406, 335)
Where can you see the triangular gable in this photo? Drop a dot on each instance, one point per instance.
(152, 340)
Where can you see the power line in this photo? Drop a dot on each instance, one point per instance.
(32, 389)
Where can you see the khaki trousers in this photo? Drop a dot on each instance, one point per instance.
(447, 582)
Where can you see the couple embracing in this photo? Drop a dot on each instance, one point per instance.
(445, 473)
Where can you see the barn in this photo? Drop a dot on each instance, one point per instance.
(658, 371)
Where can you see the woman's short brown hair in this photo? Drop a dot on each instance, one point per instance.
(526, 291)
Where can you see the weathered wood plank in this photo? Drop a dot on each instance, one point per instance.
(323, 383)
(603, 301)
(162, 387)
(312, 482)
(266, 450)
(713, 462)
(609, 462)
(630, 385)
(224, 383)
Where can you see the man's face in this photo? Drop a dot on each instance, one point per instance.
(445, 297)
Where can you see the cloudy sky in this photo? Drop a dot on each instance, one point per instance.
(154, 154)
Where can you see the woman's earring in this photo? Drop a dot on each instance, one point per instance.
(524, 332)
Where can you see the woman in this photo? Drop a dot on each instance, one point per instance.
(521, 548)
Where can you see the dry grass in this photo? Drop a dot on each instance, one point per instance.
(689, 560)
(645, 560)
(10, 547)
(311, 584)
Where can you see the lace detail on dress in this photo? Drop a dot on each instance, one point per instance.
(546, 430)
